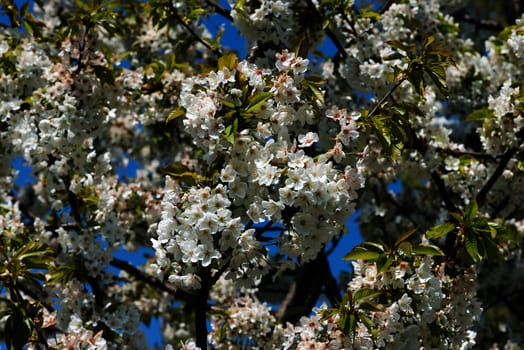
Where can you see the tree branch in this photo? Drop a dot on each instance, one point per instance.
(420, 147)
(482, 194)
(506, 157)
(384, 98)
(479, 23)
(220, 10)
(386, 6)
(150, 280)
(194, 34)
(477, 155)
(313, 279)
(331, 35)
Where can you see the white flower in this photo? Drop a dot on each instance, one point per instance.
(308, 139)
(228, 174)
(405, 304)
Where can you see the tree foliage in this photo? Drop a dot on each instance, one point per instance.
(247, 169)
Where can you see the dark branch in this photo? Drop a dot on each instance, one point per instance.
(220, 10)
(386, 6)
(331, 35)
(482, 194)
(479, 23)
(476, 155)
(194, 34)
(312, 279)
(384, 98)
(150, 280)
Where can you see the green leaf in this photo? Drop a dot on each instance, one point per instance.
(384, 262)
(480, 114)
(367, 13)
(429, 250)
(315, 92)
(63, 273)
(229, 61)
(520, 165)
(315, 80)
(471, 210)
(361, 253)
(34, 249)
(366, 321)
(440, 230)
(219, 312)
(365, 294)
(406, 248)
(415, 77)
(405, 236)
(376, 247)
(438, 76)
(347, 323)
(471, 245)
(182, 173)
(491, 248)
(398, 45)
(393, 56)
(230, 131)
(17, 331)
(178, 112)
(256, 101)
(458, 217)
(429, 40)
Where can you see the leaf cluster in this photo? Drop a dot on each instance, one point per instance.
(475, 237)
(385, 256)
(431, 59)
(354, 308)
(21, 272)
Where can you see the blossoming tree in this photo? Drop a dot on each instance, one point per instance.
(249, 168)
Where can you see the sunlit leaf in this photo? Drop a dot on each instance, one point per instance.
(440, 230)
(176, 113)
(364, 294)
(256, 101)
(360, 253)
(405, 236)
(430, 250)
(229, 61)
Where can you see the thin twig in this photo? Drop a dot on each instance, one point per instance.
(331, 35)
(476, 155)
(194, 34)
(420, 147)
(150, 280)
(482, 194)
(487, 24)
(384, 98)
(386, 6)
(82, 47)
(220, 10)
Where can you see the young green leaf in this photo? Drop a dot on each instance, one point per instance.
(365, 294)
(361, 253)
(440, 230)
(472, 248)
(429, 250)
(256, 101)
(176, 113)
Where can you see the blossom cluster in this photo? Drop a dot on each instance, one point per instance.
(420, 299)
(271, 171)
